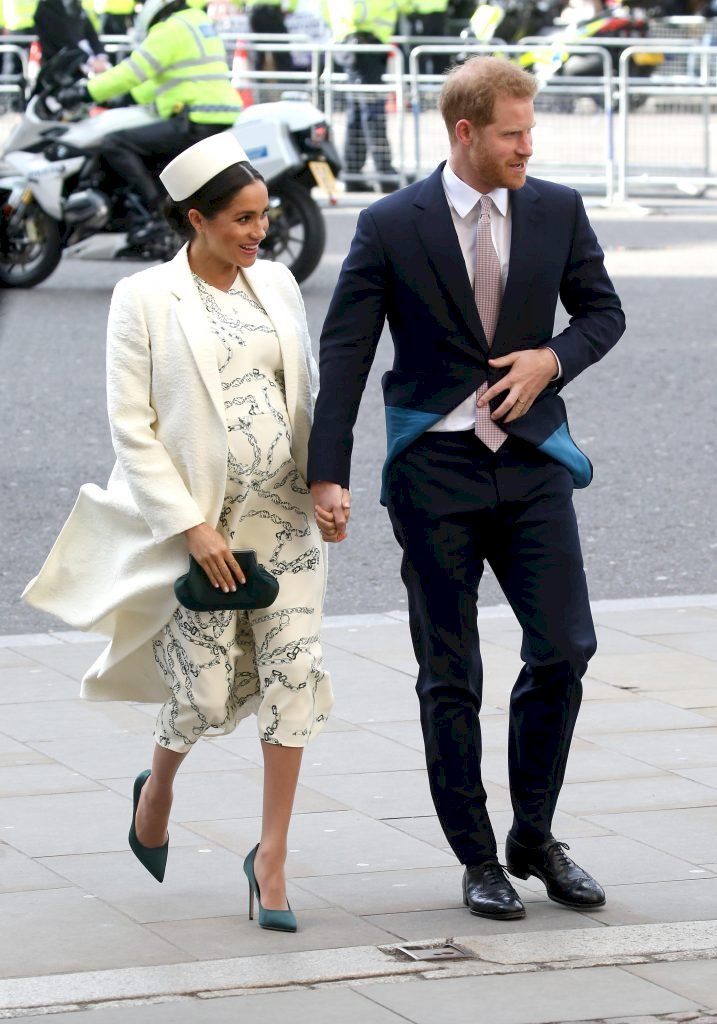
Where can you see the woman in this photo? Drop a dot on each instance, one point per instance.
(210, 386)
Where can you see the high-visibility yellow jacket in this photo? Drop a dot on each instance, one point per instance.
(114, 7)
(349, 16)
(180, 66)
(19, 14)
(287, 5)
(424, 6)
(88, 6)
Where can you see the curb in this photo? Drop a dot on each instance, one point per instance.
(504, 954)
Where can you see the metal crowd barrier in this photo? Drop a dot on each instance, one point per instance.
(13, 74)
(670, 139)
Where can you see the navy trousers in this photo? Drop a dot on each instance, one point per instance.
(455, 505)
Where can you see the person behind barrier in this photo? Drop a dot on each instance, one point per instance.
(210, 385)
(65, 24)
(180, 66)
(468, 267)
(267, 17)
(428, 18)
(17, 18)
(116, 16)
(359, 22)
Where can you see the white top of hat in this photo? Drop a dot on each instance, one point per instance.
(200, 163)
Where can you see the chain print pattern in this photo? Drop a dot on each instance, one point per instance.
(222, 666)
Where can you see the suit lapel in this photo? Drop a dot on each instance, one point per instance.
(438, 237)
(525, 252)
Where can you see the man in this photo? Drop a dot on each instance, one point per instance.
(363, 23)
(116, 16)
(429, 18)
(267, 17)
(180, 66)
(468, 266)
(65, 24)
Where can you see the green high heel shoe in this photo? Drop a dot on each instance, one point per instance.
(154, 858)
(274, 920)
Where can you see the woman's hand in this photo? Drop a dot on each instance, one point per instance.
(209, 548)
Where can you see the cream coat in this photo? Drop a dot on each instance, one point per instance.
(113, 567)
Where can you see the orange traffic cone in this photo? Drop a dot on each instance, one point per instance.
(240, 65)
(33, 62)
(391, 69)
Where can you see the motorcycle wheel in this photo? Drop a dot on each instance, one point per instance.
(30, 251)
(297, 233)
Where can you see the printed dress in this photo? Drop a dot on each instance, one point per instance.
(222, 666)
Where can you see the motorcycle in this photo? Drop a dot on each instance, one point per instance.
(511, 21)
(57, 197)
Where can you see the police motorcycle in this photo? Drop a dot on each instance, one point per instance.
(578, 22)
(56, 196)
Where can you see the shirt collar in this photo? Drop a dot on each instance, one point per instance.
(464, 198)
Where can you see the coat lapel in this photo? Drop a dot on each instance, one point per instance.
(192, 319)
(439, 239)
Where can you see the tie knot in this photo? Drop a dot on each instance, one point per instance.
(485, 206)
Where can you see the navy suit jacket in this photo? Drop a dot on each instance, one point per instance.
(405, 265)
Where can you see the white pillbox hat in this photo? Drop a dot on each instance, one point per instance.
(200, 163)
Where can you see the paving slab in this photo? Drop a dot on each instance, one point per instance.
(300, 1006)
(686, 832)
(216, 938)
(22, 684)
(666, 748)
(646, 671)
(332, 842)
(528, 998)
(238, 792)
(202, 881)
(19, 873)
(696, 979)
(660, 791)
(65, 823)
(76, 929)
(122, 754)
(41, 779)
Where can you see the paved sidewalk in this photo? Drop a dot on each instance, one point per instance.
(85, 928)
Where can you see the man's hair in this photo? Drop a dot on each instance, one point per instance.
(471, 89)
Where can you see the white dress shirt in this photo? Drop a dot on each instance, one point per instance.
(464, 204)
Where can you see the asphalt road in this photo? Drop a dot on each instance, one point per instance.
(645, 416)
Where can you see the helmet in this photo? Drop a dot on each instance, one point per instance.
(156, 10)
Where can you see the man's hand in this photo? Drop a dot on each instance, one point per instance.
(209, 548)
(531, 370)
(99, 63)
(332, 509)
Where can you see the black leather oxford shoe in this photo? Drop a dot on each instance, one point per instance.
(488, 893)
(565, 881)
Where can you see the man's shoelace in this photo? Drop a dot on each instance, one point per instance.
(557, 849)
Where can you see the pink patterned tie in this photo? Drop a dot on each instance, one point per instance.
(488, 288)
